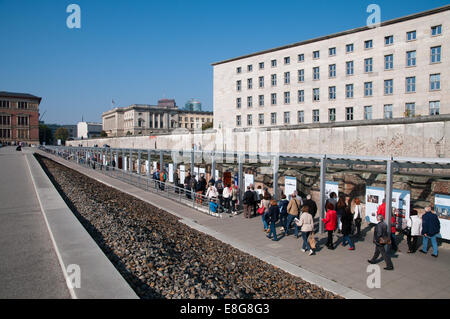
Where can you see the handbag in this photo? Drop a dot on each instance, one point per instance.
(312, 240)
(261, 210)
(385, 240)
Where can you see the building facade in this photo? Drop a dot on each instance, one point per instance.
(398, 69)
(88, 129)
(19, 118)
(144, 119)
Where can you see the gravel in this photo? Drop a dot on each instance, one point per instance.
(162, 258)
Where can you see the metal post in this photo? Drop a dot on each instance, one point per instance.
(131, 163)
(388, 195)
(276, 165)
(149, 164)
(323, 171)
(241, 178)
(139, 163)
(192, 162)
(161, 161)
(213, 166)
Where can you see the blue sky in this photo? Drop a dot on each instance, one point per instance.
(138, 51)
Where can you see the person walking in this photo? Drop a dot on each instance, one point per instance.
(255, 199)
(234, 197)
(330, 222)
(430, 229)
(340, 209)
(187, 185)
(347, 221)
(293, 209)
(265, 203)
(306, 223)
(226, 195)
(272, 217)
(357, 217)
(380, 239)
(382, 211)
(283, 212)
(332, 200)
(248, 202)
(220, 192)
(413, 231)
(311, 204)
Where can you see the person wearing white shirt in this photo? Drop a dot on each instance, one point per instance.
(227, 197)
(212, 192)
(357, 216)
(414, 230)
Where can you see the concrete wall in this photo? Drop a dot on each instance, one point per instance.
(417, 139)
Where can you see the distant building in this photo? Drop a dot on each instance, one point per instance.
(72, 129)
(193, 105)
(19, 118)
(88, 129)
(144, 119)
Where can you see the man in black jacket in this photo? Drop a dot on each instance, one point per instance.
(311, 204)
(380, 231)
(248, 202)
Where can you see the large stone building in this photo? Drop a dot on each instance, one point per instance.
(19, 118)
(143, 119)
(88, 129)
(356, 77)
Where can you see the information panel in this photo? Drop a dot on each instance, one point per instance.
(442, 208)
(375, 196)
(290, 185)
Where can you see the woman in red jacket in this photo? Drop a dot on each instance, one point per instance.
(330, 222)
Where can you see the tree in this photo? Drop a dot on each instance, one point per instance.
(62, 134)
(207, 125)
(45, 134)
(103, 134)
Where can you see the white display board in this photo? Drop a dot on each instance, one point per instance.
(125, 163)
(202, 170)
(290, 185)
(147, 167)
(374, 198)
(196, 173)
(216, 176)
(182, 173)
(171, 172)
(154, 166)
(248, 179)
(331, 187)
(442, 209)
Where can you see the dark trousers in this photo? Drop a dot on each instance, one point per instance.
(358, 226)
(412, 242)
(290, 218)
(380, 250)
(330, 238)
(247, 211)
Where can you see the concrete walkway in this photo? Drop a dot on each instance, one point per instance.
(341, 271)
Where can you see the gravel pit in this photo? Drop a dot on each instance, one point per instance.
(162, 258)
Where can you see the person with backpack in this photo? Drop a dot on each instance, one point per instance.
(431, 227)
(271, 218)
(283, 204)
(248, 202)
(293, 210)
(306, 223)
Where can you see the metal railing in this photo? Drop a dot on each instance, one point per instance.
(181, 195)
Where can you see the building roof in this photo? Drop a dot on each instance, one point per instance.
(19, 95)
(335, 35)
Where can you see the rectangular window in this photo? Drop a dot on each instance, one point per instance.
(368, 89)
(368, 67)
(301, 96)
(238, 103)
(389, 40)
(316, 73)
(261, 65)
(389, 62)
(410, 109)
(273, 63)
(434, 107)
(349, 113)
(388, 111)
(287, 60)
(301, 75)
(287, 97)
(411, 84)
(261, 81)
(436, 30)
(332, 92)
(238, 120)
(349, 48)
(238, 70)
(332, 70)
(273, 118)
(410, 36)
(274, 79)
(4, 104)
(5, 120)
(261, 119)
(349, 91)
(316, 94)
(22, 105)
(287, 77)
(332, 51)
(349, 67)
(316, 117)
(332, 115)
(435, 54)
(249, 84)
(261, 100)
(435, 82)
(300, 116)
(301, 57)
(249, 68)
(411, 58)
(368, 112)
(238, 85)
(368, 44)
(316, 54)
(287, 117)
(249, 101)
(273, 99)
(388, 87)
(249, 120)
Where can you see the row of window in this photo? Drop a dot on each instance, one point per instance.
(186, 119)
(410, 87)
(349, 48)
(20, 105)
(435, 57)
(434, 109)
(6, 133)
(21, 120)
